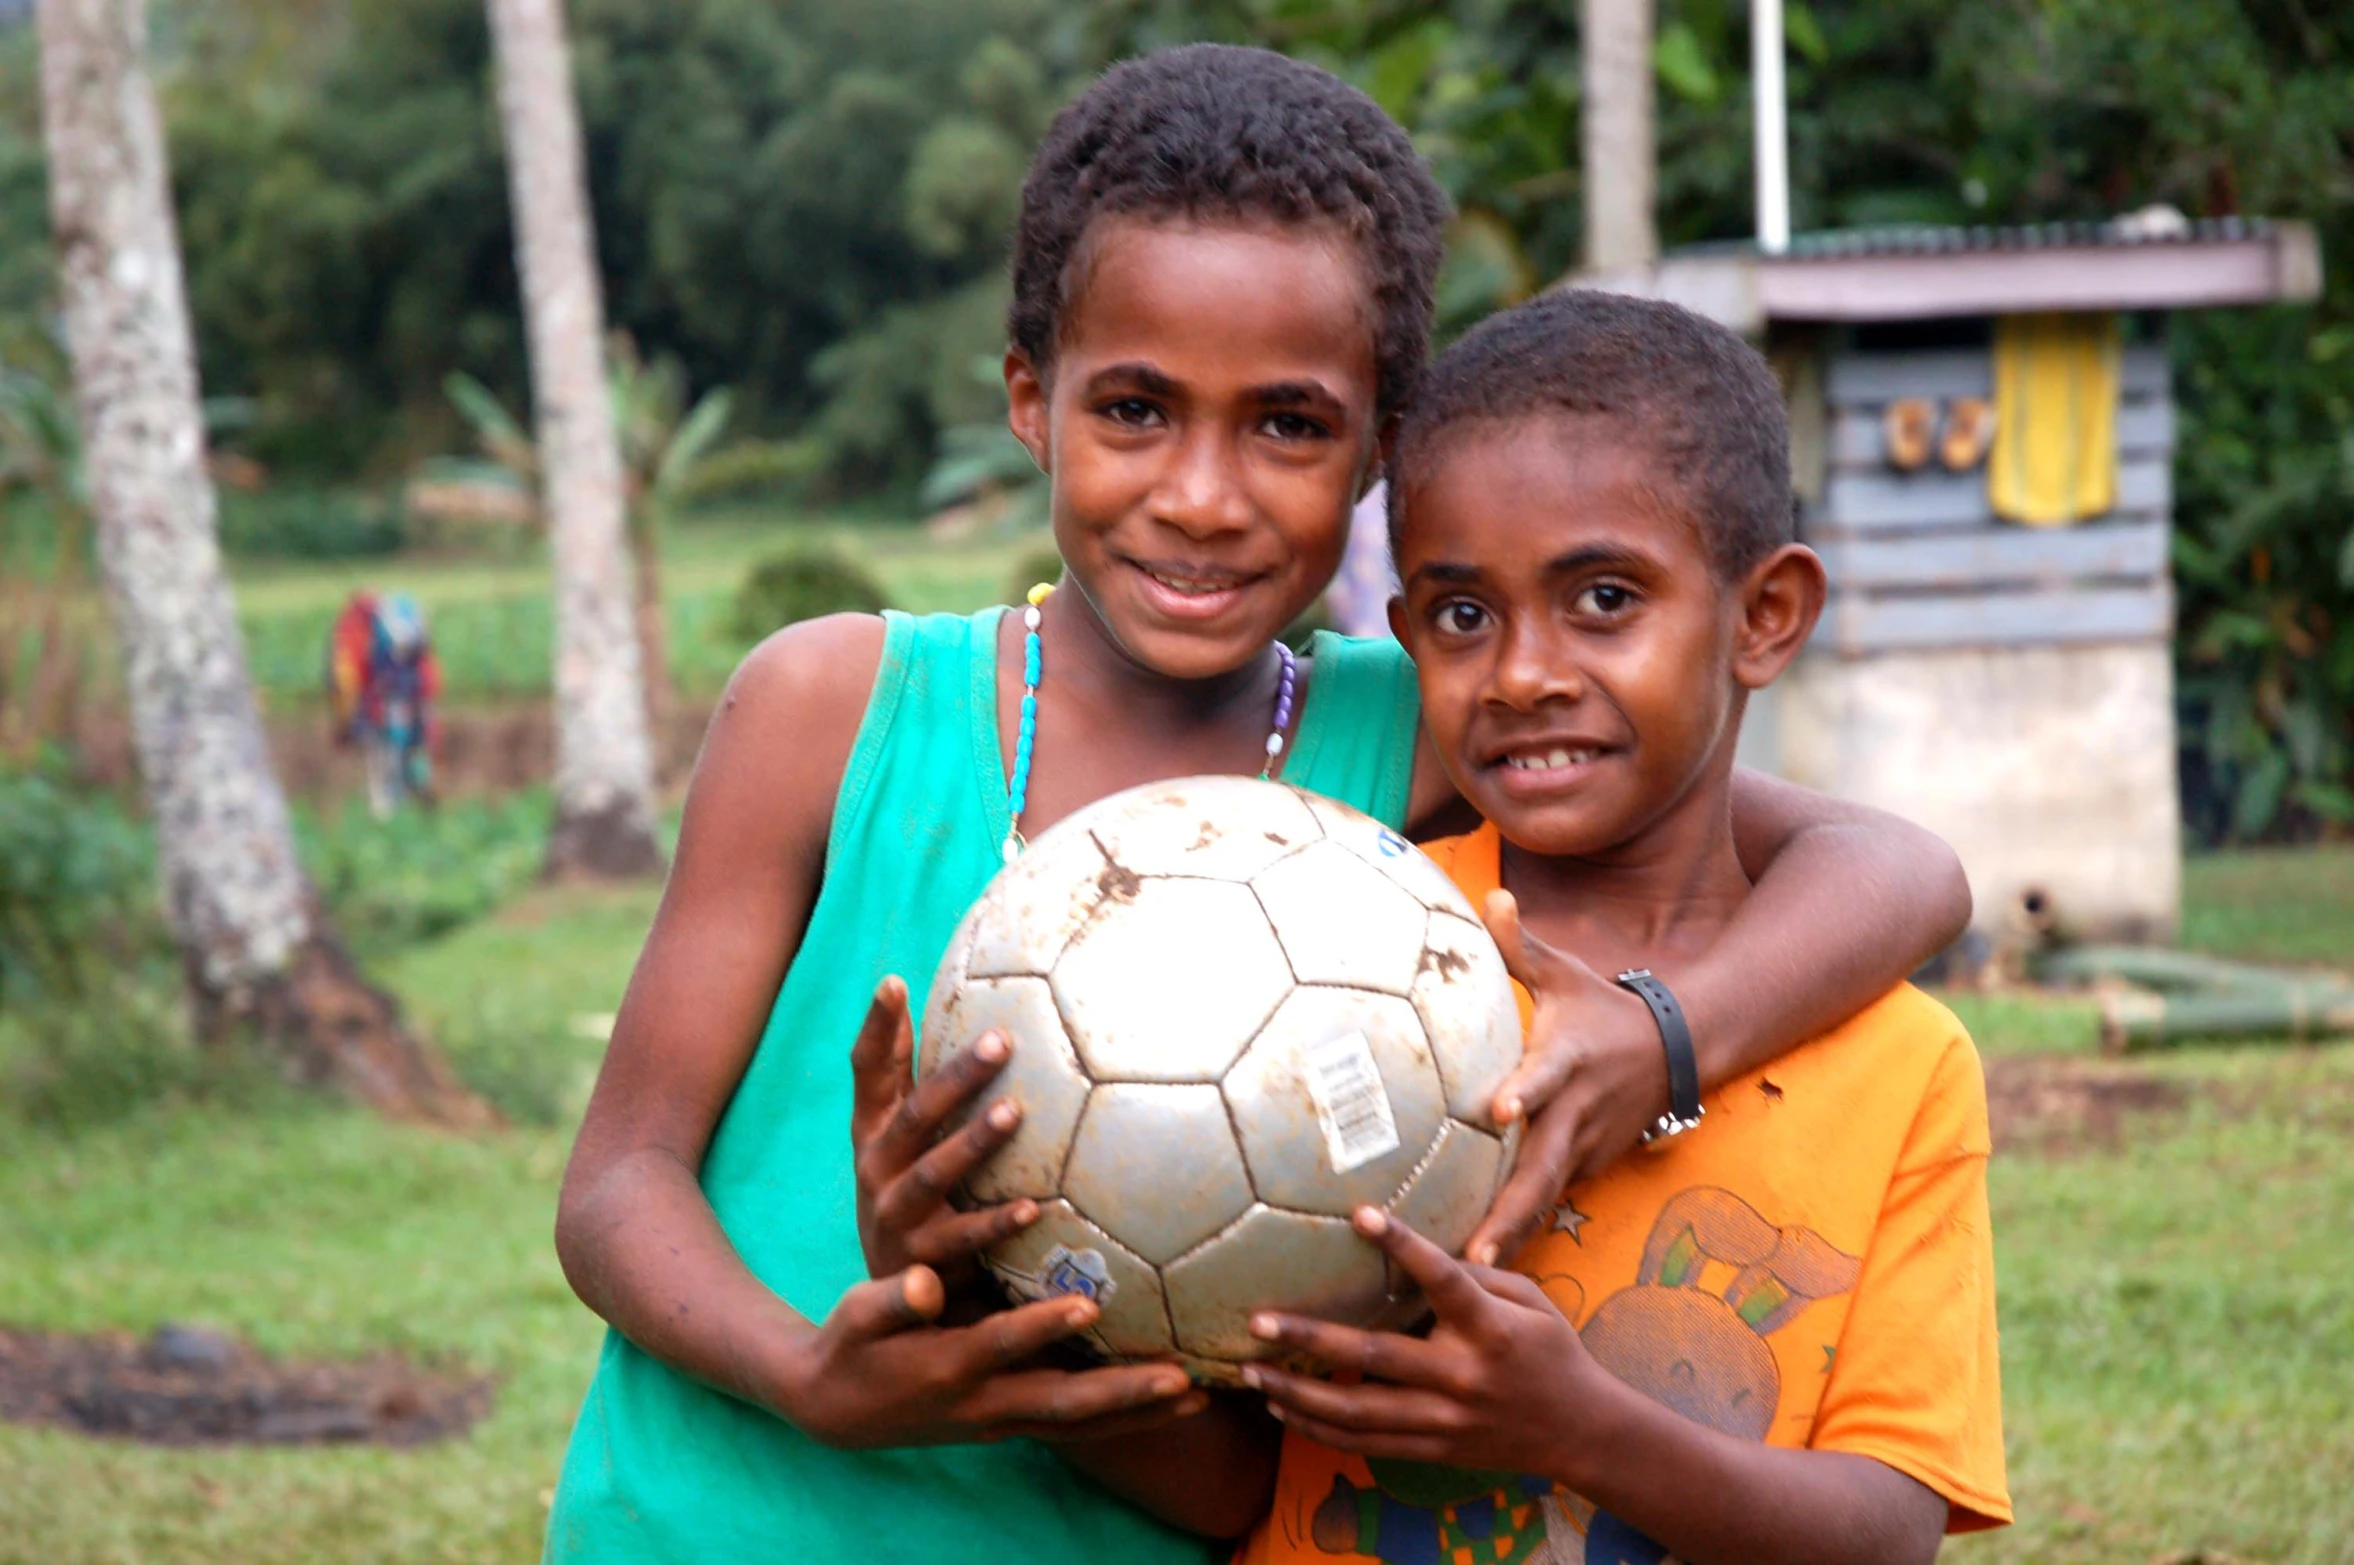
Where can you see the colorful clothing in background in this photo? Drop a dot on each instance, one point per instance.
(1812, 1267)
(383, 682)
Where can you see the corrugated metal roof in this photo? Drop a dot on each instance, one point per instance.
(2158, 227)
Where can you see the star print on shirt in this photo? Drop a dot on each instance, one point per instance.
(1567, 1219)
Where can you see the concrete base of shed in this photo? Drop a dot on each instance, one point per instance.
(2050, 769)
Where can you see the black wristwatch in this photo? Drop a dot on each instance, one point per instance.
(1683, 1071)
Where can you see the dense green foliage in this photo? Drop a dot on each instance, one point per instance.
(77, 887)
(803, 584)
(807, 201)
(92, 1013)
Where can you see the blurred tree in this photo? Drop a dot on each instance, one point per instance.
(604, 825)
(806, 199)
(667, 458)
(1617, 142)
(257, 947)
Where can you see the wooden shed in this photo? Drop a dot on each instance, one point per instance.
(2006, 682)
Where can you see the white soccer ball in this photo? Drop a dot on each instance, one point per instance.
(1238, 1013)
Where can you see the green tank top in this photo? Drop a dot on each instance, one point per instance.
(662, 1468)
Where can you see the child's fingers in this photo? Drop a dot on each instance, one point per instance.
(1546, 1065)
(1064, 1399)
(1364, 1408)
(913, 1196)
(1382, 1444)
(998, 1342)
(921, 1113)
(1378, 1355)
(878, 1087)
(889, 1305)
(1142, 1420)
(1500, 911)
(968, 1233)
(1534, 1188)
(1450, 1289)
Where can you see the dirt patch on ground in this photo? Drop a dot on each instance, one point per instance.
(189, 1386)
(2055, 1105)
(484, 749)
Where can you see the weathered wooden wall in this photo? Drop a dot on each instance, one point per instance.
(1919, 559)
(2011, 688)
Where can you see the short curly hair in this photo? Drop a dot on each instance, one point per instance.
(1704, 403)
(1211, 130)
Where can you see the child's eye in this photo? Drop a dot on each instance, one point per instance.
(1459, 617)
(1295, 426)
(1134, 412)
(1605, 598)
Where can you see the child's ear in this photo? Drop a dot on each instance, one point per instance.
(1781, 598)
(1378, 468)
(1026, 407)
(1398, 619)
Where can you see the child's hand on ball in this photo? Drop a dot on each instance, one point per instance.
(1496, 1385)
(881, 1372)
(906, 1168)
(1592, 1079)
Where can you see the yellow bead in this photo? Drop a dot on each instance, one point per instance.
(1039, 593)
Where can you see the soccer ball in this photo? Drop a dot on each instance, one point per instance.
(1238, 1013)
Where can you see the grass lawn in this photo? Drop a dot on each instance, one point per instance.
(492, 623)
(2177, 1297)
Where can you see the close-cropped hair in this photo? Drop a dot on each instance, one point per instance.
(1214, 132)
(1702, 403)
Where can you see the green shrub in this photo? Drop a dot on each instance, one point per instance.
(423, 872)
(309, 524)
(803, 584)
(77, 887)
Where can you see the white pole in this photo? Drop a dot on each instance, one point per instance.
(1773, 129)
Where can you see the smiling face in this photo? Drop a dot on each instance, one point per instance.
(1581, 662)
(1207, 422)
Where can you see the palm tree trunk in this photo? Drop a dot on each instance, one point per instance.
(1619, 156)
(604, 825)
(645, 542)
(256, 948)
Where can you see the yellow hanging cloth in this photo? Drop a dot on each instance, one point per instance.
(2054, 459)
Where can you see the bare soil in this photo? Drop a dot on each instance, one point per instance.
(2055, 1105)
(486, 749)
(190, 1386)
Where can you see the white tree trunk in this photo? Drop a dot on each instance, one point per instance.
(604, 754)
(1620, 160)
(256, 948)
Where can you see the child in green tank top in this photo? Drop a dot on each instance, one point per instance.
(1222, 292)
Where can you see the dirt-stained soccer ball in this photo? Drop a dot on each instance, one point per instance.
(1238, 1013)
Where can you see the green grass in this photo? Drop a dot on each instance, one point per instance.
(492, 619)
(2177, 1320)
(318, 1231)
(2292, 905)
(2003, 1024)
(2177, 1310)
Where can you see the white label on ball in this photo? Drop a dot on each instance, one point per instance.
(1351, 1104)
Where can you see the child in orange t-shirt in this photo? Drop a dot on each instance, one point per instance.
(1771, 1338)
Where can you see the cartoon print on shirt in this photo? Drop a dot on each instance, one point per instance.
(1686, 1334)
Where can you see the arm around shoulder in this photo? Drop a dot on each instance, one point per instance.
(1848, 902)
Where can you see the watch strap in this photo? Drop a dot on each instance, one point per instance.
(1683, 1069)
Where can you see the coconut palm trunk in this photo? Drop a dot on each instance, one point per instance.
(257, 950)
(1619, 157)
(653, 628)
(604, 826)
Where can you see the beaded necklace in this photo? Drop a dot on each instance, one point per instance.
(1017, 793)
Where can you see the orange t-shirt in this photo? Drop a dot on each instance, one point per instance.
(1813, 1266)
